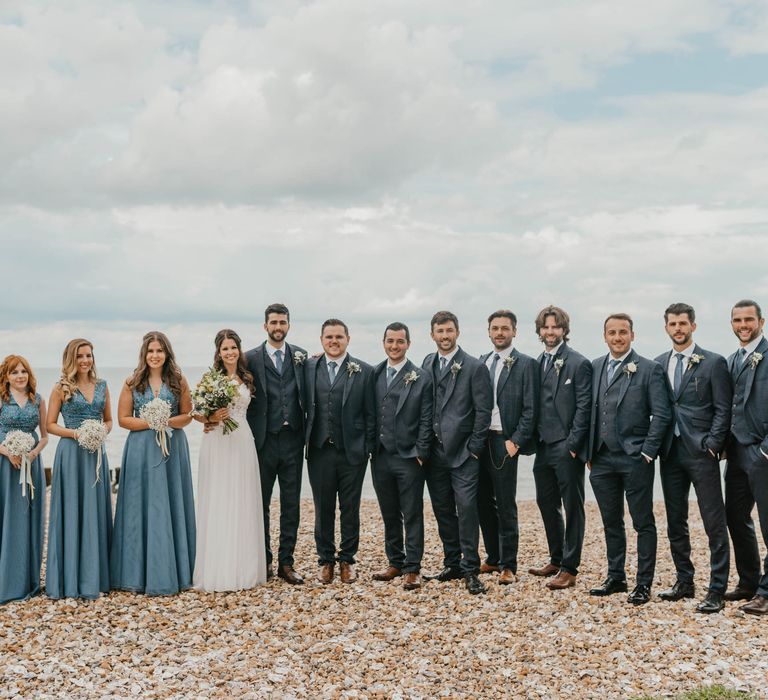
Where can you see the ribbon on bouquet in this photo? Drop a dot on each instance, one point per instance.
(163, 441)
(25, 476)
(98, 467)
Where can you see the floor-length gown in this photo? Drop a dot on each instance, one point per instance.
(230, 524)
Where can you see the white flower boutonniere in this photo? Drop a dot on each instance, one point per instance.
(299, 358)
(694, 360)
(630, 368)
(558, 365)
(754, 359)
(455, 368)
(411, 377)
(352, 368)
(509, 360)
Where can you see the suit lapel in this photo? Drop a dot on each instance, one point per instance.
(400, 377)
(349, 381)
(451, 377)
(597, 377)
(261, 368)
(562, 354)
(692, 367)
(506, 370)
(632, 357)
(761, 348)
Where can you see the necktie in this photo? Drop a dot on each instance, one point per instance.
(494, 365)
(332, 371)
(612, 365)
(545, 364)
(279, 361)
(679, 371)
(443, 363)
(740, 356)
(391, 372)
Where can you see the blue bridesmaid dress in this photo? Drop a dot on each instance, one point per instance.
(80, 521)
(21, 517)
(153, 549)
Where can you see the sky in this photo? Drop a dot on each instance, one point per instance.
(180, 165)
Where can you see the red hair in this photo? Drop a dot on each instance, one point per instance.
(10, 363)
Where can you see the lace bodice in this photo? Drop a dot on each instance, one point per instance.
(140, 399)
(14, 417)
(238, 409)
(77, 409)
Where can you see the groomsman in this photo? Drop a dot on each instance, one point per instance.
(462, 413)
(513, 422)
(746, 476)
(630, 416)
(340, 435)
(562, 431)
(404, 428)
(276, 418)
(700, 387)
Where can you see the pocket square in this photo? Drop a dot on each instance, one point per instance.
(567, 381)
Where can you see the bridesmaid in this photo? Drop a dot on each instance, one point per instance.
(80, 521)
(21, 517)
(153, 551)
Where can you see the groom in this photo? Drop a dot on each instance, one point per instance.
(276, 417)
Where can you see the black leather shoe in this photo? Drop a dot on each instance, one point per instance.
(640, 596)
(680, 590)
(472, 582)
(739, 593)
(447, 574)
(609, 587)
(713, 603)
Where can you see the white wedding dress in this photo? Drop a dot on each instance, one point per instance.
(230, 523)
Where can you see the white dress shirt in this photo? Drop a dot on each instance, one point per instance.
(496, 414)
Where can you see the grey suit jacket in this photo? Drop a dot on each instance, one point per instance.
(755, 399)
(702, 406)
(643, 413)
(466, 407)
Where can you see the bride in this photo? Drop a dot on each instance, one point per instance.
(230, 526)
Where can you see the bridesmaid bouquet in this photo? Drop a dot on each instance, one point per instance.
(157, 413)
(215, 390)
(91, 436)
(20, 444)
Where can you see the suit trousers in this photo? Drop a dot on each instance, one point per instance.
(497, 503)
(399, 485)
(746, 485)
(560, 486)
(679, 470)
(453, 492)
(281, 458)
(614, 475)
(331, 475)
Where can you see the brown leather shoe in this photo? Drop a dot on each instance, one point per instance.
(488, 568)
(387, 574)
(507, 576)
(325, 573)
(561, 581)
(548, 570)
(411, 581)
(347, 572)
(289, 575)
(757, 606)
(739, 593)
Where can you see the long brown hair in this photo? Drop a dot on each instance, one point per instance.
(68, 380)
(9, 364)
(242, 369)
(171, 373)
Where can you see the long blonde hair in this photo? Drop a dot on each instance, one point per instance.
(68, 380)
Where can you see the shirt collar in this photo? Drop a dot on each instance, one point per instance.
(502, 353)
(339, 361)
(398, 366)
(272, 350)
(556, 350)
(450, 356)
(687, 353)
(622, 358)
(752, 346)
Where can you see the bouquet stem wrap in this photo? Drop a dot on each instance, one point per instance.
(157, 413)
(90, 436)
(19, 444)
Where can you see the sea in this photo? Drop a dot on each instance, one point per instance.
(115, 376)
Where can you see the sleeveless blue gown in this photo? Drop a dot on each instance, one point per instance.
(153, 549)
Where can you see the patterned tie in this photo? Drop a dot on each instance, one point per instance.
(279, 361)
(332, 371)
(391, 372)
(612, 365)
(679, 371)
(443, 363)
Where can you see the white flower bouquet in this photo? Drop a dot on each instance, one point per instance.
(20, 444)
(157, 413)
(91, 436)
(215, 390)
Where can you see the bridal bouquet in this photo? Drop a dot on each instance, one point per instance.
(91, 436)
(215, 390)
(20, 444)
(157, 413)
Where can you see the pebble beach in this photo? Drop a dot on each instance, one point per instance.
(375, 640)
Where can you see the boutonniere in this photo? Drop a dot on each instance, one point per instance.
(411, 377)
(754, 359)
(630, 368)
(352, 368)
(509, 360)
(694, 360)
(558, 365)
(299, 358)
(455, 368)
